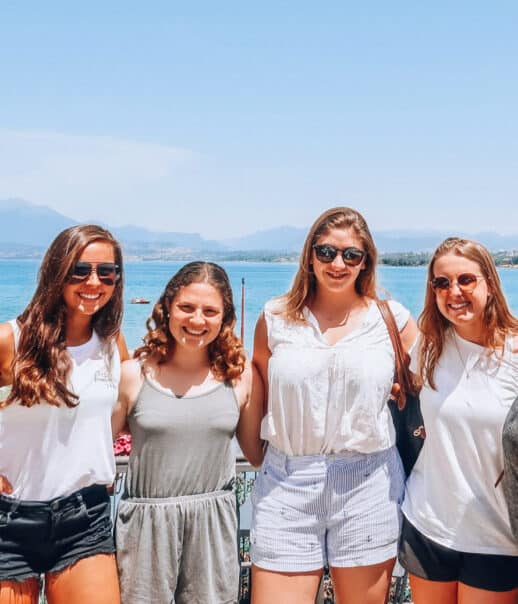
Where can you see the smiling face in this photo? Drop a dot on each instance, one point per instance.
(196, 315)
(90, 295)
(463, 309)
(337, 276)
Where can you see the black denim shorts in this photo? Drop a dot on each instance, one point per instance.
(430, 560)
(41, 537)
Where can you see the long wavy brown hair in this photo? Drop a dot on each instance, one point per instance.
(304, 284)
(41, 364)
(498, 319)
(226, 354)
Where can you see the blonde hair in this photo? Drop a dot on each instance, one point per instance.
(498, 319)
(304, 284)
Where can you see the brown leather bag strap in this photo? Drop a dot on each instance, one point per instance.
(402, 372)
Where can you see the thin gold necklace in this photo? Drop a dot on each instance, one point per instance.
(464, 363)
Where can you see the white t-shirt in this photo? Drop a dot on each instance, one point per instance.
(329, 398)
(48, 451)
(450, 494)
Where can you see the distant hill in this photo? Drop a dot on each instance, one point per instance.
(25, 224)
(27, 229)
(291, 239)
(283, 238)
(134, 234)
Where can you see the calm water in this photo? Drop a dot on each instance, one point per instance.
(262, 281)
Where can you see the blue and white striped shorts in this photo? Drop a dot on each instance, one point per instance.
(341, 509)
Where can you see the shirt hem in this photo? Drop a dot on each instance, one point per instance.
(460, 547)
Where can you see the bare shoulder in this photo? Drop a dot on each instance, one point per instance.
(6, 353)
(131, 370)
(409, 334)
(6, 337)
(242, 385)
(515, 343)
(122, 347)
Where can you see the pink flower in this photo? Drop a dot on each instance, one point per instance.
(122, 446)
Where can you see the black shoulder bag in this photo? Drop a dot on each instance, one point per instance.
(404, 400)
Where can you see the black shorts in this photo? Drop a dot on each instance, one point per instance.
(40, 537)
(427, 559)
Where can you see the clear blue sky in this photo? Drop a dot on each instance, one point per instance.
(229, 117)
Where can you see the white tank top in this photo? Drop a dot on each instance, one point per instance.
(329, 398)
(47, 451)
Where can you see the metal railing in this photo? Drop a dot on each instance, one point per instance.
(245, 478)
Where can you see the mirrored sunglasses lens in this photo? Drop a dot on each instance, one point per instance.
(81, 270)
(325, 253)
(106, 270)
(466, 280)
(352, 255)
(441, 283)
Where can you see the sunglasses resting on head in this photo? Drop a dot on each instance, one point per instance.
(107, 272)
(327, 253)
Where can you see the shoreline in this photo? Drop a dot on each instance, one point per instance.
(383, 261)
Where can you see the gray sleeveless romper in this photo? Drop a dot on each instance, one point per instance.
(176, 524)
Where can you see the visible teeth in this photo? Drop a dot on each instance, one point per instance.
(459, 306)
(194, 333)
(90, 296)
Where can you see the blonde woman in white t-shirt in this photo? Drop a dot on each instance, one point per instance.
(457, 542)
(61, 362)
(332, 481)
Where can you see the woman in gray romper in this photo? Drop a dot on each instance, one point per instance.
(184, 396)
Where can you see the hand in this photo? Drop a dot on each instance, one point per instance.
(5, 485)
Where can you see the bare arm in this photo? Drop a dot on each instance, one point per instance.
(250, 391)
(129, 387)
(6, 377)
(6, 354)
(409, 334)
(123, 349)
(262, 354)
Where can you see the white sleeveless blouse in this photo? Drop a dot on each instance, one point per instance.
(325, 399)
(47, 451)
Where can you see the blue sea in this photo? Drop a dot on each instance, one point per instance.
(262, 282)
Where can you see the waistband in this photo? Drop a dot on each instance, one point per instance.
(91, 495)
(294, 462)
(180, 498)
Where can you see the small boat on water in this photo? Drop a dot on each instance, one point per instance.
(139, 301)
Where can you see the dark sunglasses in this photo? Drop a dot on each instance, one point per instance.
(107, 272)
(466, 282)
(350, 255)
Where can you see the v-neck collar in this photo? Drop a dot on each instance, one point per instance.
(313, 321)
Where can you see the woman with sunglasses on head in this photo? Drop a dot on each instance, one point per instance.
(189, 390)
(332, 481)
(61, 362)
(456, 541)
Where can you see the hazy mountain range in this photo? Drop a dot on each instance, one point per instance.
(27, 229)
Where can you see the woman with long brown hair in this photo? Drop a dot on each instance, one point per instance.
(332, 481)
(61, 360)
(189, 390)
(457, 542)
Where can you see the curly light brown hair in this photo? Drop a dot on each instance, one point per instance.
(226, 354)
(41, 364)
(498, 319)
